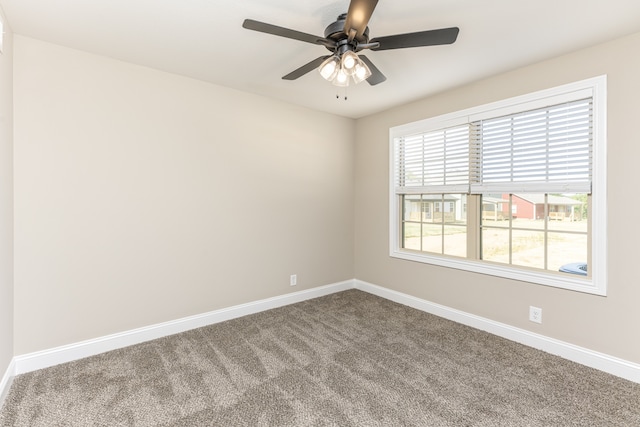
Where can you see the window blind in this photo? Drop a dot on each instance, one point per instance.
(543, 150)
(434, 162)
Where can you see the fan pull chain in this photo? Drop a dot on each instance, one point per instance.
(338, 94)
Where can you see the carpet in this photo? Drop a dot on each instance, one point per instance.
(347, 359)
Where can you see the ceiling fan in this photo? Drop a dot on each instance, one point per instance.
(349, 35)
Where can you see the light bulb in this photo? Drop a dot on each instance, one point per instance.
(342, 79)
(329, 68)
(349, 61)
(362, 72)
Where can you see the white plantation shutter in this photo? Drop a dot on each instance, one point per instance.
(543, 150)
(433, 162)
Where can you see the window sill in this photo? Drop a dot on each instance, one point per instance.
(558, 280)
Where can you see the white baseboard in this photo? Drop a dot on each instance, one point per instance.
(67, 353)
(603, 362)
(6, 381)
(42, 359)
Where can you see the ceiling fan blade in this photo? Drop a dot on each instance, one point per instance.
(376, 76)
(421, 38)
(305, 68)
(358, 16)
(263, 27)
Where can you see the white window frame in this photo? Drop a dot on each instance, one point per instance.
(596, 282)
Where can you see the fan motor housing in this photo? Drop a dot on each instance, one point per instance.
(335, 31)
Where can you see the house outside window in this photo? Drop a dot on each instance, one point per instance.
(518, 188)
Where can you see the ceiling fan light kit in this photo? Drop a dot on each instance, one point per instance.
(338, 70)
(349, 35)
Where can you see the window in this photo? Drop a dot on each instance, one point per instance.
(546, 237)
(514, 189)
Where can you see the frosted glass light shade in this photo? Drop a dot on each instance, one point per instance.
(342, 78)
(329, 68)
(362, 72)
(340, 69)
(349, 62)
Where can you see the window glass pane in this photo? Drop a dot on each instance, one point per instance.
(411, 208)
(578, 226)
(568, 213)
(527, 248)
(455, 230)
(528, 206)
(495, 245)
(495, 210)
(432, 238)
(432, 207)
(567, 253)
(422, 225)
(426, 210)
(529, 211)
(455, 240)
(453, 208)
(562, 218)
(528, 224)
(411, 235)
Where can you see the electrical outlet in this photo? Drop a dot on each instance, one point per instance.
(293, 280)
(535, 314)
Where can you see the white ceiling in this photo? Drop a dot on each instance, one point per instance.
(204, 39)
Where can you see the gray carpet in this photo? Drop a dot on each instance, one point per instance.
(346, 359)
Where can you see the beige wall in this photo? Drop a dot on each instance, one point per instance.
(6, 201)
(606, 324)
(143, 197)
